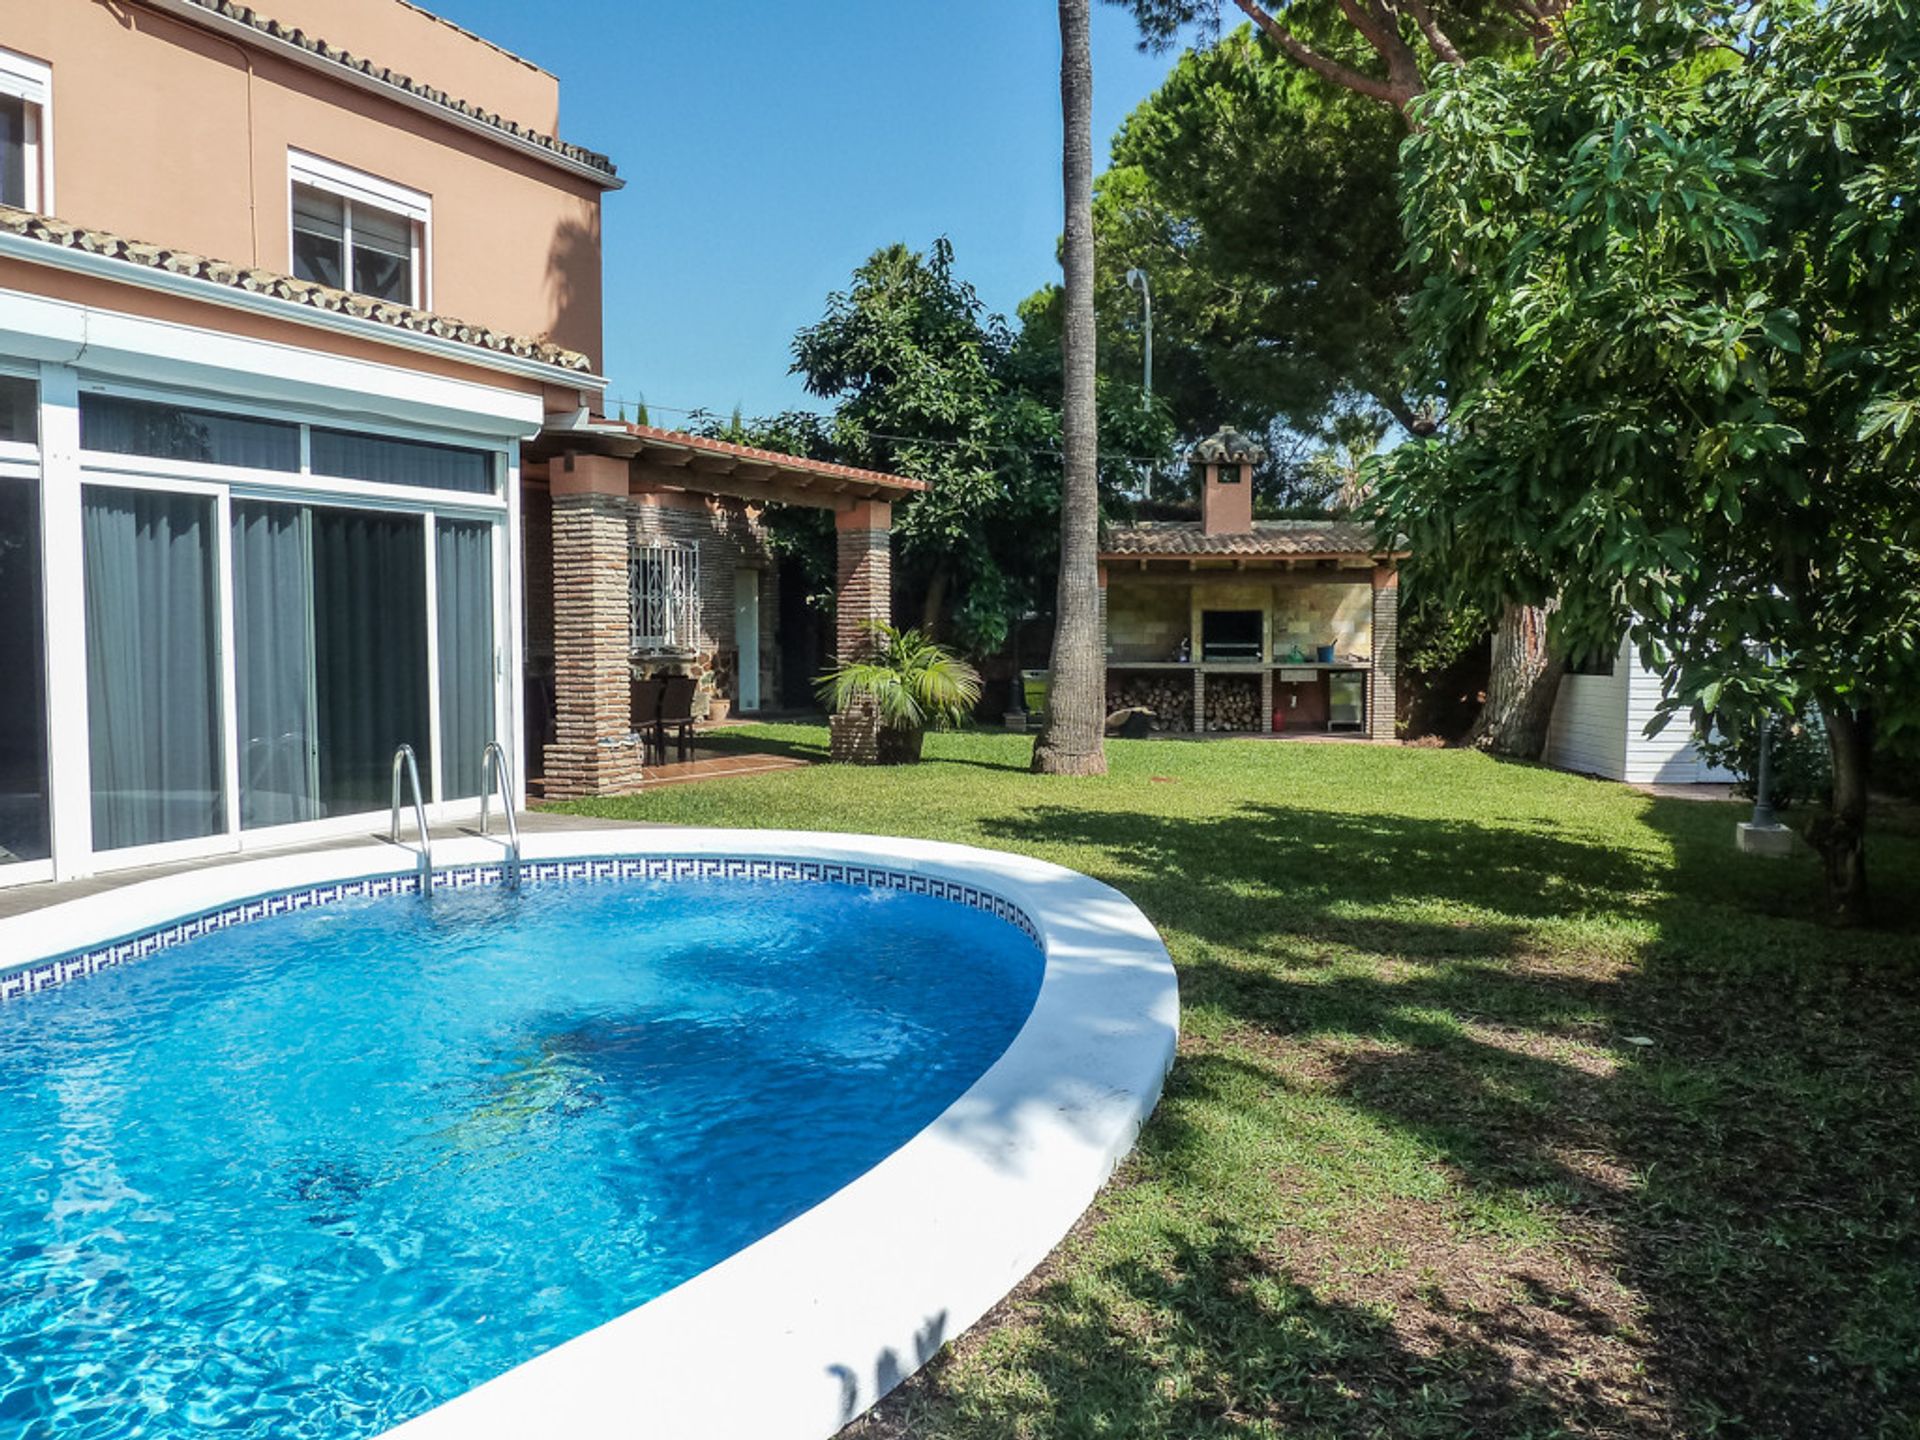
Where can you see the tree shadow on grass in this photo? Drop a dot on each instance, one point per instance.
(1209, 1331)
(1484, 1208)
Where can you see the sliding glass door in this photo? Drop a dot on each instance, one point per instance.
(330, 626)
(274, 665)
(370, 653)
(25, 830)
(463, 574)
(153, 691)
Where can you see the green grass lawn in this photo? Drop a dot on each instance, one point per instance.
(1415, 1172)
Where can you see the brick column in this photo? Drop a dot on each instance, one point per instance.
(1266, 700)
(865, 546)
(594, 749)
(1383, 687)
(1199, 699)
(1106, 655)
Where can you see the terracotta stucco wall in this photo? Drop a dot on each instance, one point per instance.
(167, 133)
(423, 46)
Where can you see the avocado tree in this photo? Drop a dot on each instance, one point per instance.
(1671, 286)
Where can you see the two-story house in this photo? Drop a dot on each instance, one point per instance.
(302, 449)
(281, 298)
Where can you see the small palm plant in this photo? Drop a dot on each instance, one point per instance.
(912, 684)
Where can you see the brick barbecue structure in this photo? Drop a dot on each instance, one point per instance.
(1227, 623)
(646, 555)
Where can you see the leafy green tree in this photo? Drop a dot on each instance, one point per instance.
(908, 357)
(1263, 205)
(927, 384)
(1383, 50)
(1386, 53)
(1671, 283)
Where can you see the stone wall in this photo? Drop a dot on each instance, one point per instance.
(1314, 613)
(1148, 618)
(730, 538)
(1145, 622)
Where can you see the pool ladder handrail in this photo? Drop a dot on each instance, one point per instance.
(493, 767)
(403, 759)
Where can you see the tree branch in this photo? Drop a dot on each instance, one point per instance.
(1345, 76)
(1436, 37)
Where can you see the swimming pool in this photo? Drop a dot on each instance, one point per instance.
(318, 1172)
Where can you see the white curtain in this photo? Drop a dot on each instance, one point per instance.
(463, 565)
(152, 707)
(273, 634)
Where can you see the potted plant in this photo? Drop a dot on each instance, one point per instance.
(911, 683)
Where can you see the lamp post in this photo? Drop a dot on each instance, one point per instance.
(1763, 834)
(1137, 280)
(1763, 777)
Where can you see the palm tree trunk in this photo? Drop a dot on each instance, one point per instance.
(1070, 741)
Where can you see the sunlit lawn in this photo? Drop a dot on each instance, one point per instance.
(1508, 1104)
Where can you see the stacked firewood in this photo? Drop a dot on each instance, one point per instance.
(1168, 696)
(1233, 703)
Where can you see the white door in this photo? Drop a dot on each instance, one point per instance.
(746, 635)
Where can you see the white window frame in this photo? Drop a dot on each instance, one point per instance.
(663, 596)
(225, 484)
(301, 484)
(31, 81)
(356, 187)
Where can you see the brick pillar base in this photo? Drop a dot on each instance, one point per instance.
(1383, 691)
(594, 749)
(1199, 701)
(865, 546)
(1266, 700)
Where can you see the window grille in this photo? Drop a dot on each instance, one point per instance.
(663, 582)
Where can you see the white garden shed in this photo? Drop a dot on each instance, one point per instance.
(1599, 727)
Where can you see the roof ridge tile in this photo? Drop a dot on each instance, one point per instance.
(49, 230)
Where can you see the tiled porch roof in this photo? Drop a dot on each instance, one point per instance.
(826, 469)
(702, 464)
(1179, 538)
(49, 231)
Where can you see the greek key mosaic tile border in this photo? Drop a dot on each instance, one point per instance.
(37, 975)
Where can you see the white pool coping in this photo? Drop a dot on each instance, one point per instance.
(802, 1331)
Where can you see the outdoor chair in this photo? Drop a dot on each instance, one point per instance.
(644, 699)
(676, 711)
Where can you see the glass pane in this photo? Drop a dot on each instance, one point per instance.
(19, 409)
(382, 230)
(152, 693)
(381, 275)
(463, 569)
(169, 432)
(13, 152)
(317, 259)
(24, 829)
(273, 661)
(347, 456)
(370, 653)
(319, 213)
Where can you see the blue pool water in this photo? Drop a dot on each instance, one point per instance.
(310, 1176)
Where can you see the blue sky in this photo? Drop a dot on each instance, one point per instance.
(769, 148)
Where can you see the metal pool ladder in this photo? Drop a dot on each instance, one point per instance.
(403, 759)
(493, 771)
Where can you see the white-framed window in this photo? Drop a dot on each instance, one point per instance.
(357, 232)
(663, 582)
(26, 114)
